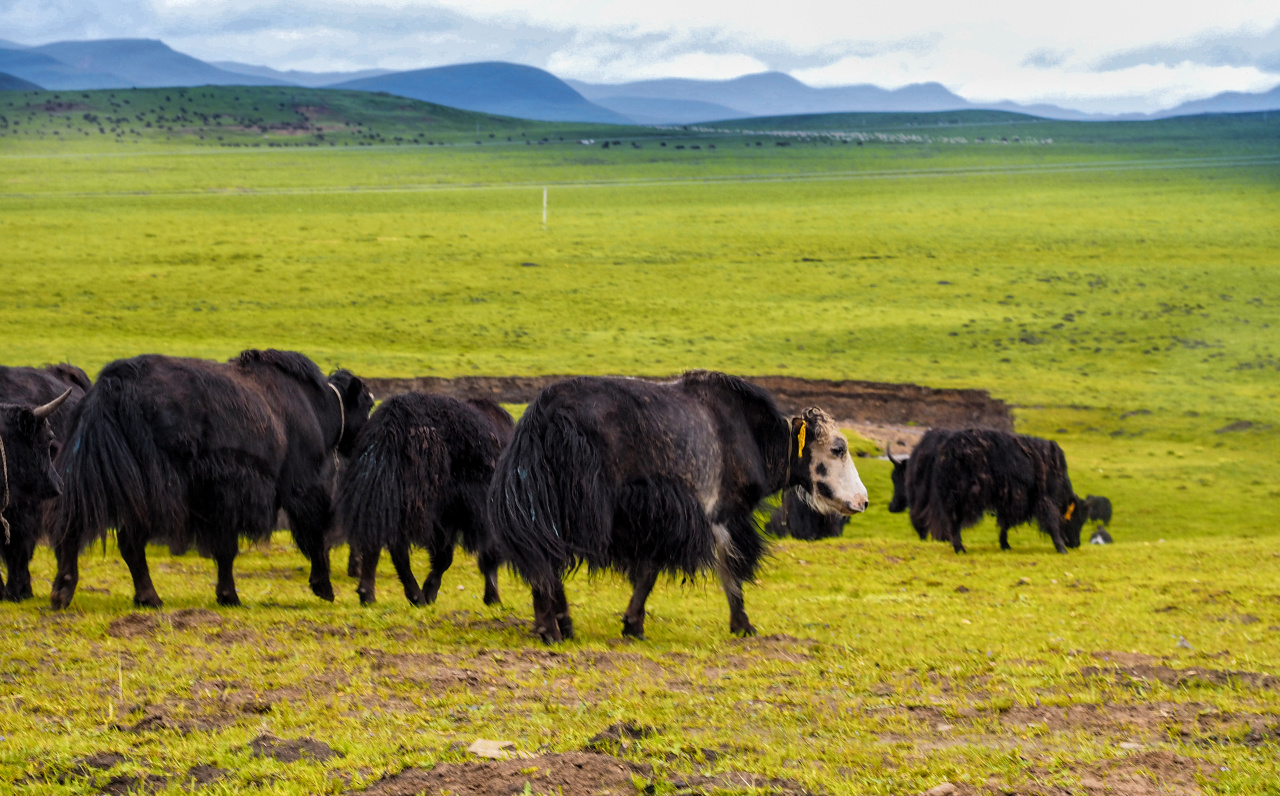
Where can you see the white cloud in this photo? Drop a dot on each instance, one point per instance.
(1095, 53)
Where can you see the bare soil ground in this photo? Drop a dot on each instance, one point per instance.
(852, 403)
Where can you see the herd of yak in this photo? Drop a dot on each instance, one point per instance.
(638, 477)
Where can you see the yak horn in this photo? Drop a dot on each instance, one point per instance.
(41, 412)
(888, 452)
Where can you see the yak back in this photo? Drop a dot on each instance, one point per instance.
(419, 458)
(161, 440)
(621, 473)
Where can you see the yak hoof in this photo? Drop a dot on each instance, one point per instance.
(549, 635)
(366, 598)
(148, 601)
(323, 590)
(59, 600)
(231, 600)
(565, 623)
(419, 599)
(746, 631)
(492, 599)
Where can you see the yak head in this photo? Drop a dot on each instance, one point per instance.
(822, 466)
(357, 403)
(1073, 516)
(899, 477)
(28, 451)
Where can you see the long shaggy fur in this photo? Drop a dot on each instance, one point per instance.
(636, 477)
(954, 478)
(802, 521)
(188, 452)
(418, 475)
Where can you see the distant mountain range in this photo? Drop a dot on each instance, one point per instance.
(500, 88)
(527, 92)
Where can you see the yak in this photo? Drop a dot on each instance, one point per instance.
(419, 474)
(28, 443)
(796, 519)
(645, 478)
(31, 387)
(188, 450)
(953, 478)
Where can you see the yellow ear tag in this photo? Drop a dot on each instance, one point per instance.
(800, 440)
(1070, 510)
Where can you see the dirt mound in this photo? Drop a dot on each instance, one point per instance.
(135, 625)
(617, 736)
(1137, 675)
(204, 774)
(572, 773)
(291, 751)
(191, 618)
(850, 402)
(1148, 773)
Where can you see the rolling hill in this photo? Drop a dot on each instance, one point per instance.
(45, 70)
(492, 87)
(145, 63)
(297, 77)
(10, 83)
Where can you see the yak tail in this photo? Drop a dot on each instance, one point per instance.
(388, 489)
(114, 474)
(549, 507)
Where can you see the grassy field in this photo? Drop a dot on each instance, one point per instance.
(1118, 285)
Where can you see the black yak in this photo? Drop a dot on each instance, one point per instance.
(188, 450)
(645, 478)
(28, 481)
(953, 478)
(795, 518)
(418, 475)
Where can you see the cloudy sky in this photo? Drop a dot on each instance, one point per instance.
(1095, 55)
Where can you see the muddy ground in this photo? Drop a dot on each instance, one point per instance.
(855, 404)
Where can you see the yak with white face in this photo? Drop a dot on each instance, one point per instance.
(834, 484)
(647, 478)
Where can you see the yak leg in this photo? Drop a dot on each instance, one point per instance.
(544, 615)
(67, 552)
(17, 556)
(368, 563)
(133, 550)
(561, 606)
(400, 560)
(1049, 520)
(489, 568)
(225, 557)
(954, 536)
(353, 562)
(642, 580)
(441, 560)
(1004, 537)
(310, 516)
(739, 624)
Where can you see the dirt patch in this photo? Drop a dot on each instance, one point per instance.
(738, 781)
(204, 775)
(135, 625)
(98, 761)
(147, 783)
(578, 773)
(850, 402)
(193, 618)
(617, 737)
(291, 751)
(1156, 772)
(778, 646)
(1137, 676)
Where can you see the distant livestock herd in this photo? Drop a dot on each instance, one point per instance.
(637, 477)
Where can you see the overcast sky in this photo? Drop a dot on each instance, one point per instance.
(1096, 55)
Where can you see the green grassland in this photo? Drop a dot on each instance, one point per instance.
(1117, 285)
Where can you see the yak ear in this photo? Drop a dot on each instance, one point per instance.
(800, 432)
(354, 388)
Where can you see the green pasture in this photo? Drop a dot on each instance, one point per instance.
(1118, 286)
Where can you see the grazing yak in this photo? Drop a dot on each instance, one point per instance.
(953, 478)
(187, 450)
(795, 518)
(28, 481)
(419, 474)
(645, 478)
